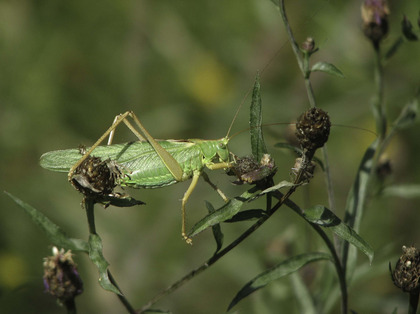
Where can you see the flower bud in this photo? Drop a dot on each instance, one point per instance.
(308, 45)
(406, 275)
(61, 278)
(313, 129)
(375, 20)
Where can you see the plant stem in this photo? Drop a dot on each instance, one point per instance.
(413, 303)
(303, 63)
(89, 204)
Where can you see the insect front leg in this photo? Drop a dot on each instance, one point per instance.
(214, 186)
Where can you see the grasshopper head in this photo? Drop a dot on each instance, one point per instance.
(222, 149)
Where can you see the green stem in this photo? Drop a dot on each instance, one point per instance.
(70, 306)
(292, 40)
(121, 296)
(89, 204)
(379, 105)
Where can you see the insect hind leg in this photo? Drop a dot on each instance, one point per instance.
(109, 132)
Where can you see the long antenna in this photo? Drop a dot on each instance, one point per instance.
(249, 89)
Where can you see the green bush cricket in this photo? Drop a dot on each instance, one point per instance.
(150, 163)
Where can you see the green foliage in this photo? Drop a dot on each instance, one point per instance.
(71, 67)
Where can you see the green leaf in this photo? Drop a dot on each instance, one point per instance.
(356, 203)
(327, 68)
(403, 190)
(225, 212)
(278, 186)
(394, 48)
(96, 256)
(250, 214)
(255, 122)
(407, 116)
(54, 233)
(217, 230)
(278, 271)
(323, 217)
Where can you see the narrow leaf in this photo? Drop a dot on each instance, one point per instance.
(217, 230)
(278, 186)
(403, 190)
(323, 217)
(54, 233)
(327, 68)
(407, 116)
(96, 256)
(355, 204)
(394, 47)
(255, 122)
(278, 271)
(250, 214)
(225, 212)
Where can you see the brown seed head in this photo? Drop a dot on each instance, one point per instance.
(313, 129)
(61, 278)
(407, 271)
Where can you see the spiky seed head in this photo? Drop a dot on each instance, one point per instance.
(61, 278)
(313, 129)
(406, 275)
(94, 176)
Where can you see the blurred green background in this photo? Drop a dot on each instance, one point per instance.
(68, 67)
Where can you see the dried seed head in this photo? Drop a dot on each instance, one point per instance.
(307, 169)
(313, 129)
(375, 20)
(61, 278)
(95, 176)
(406, 275)
(248, 170)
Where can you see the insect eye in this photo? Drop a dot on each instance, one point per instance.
(222, 145)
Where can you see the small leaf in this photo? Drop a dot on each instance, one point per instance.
(394, 47)
(278, 186)
(96, 256)
(255, 122)
(327, 68)
(323, 217)
(217, 230)
(278, 271)
(407, 116)
(54, 233)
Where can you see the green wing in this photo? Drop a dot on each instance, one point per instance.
(132, 155)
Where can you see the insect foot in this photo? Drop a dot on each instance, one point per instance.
(187, 239)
